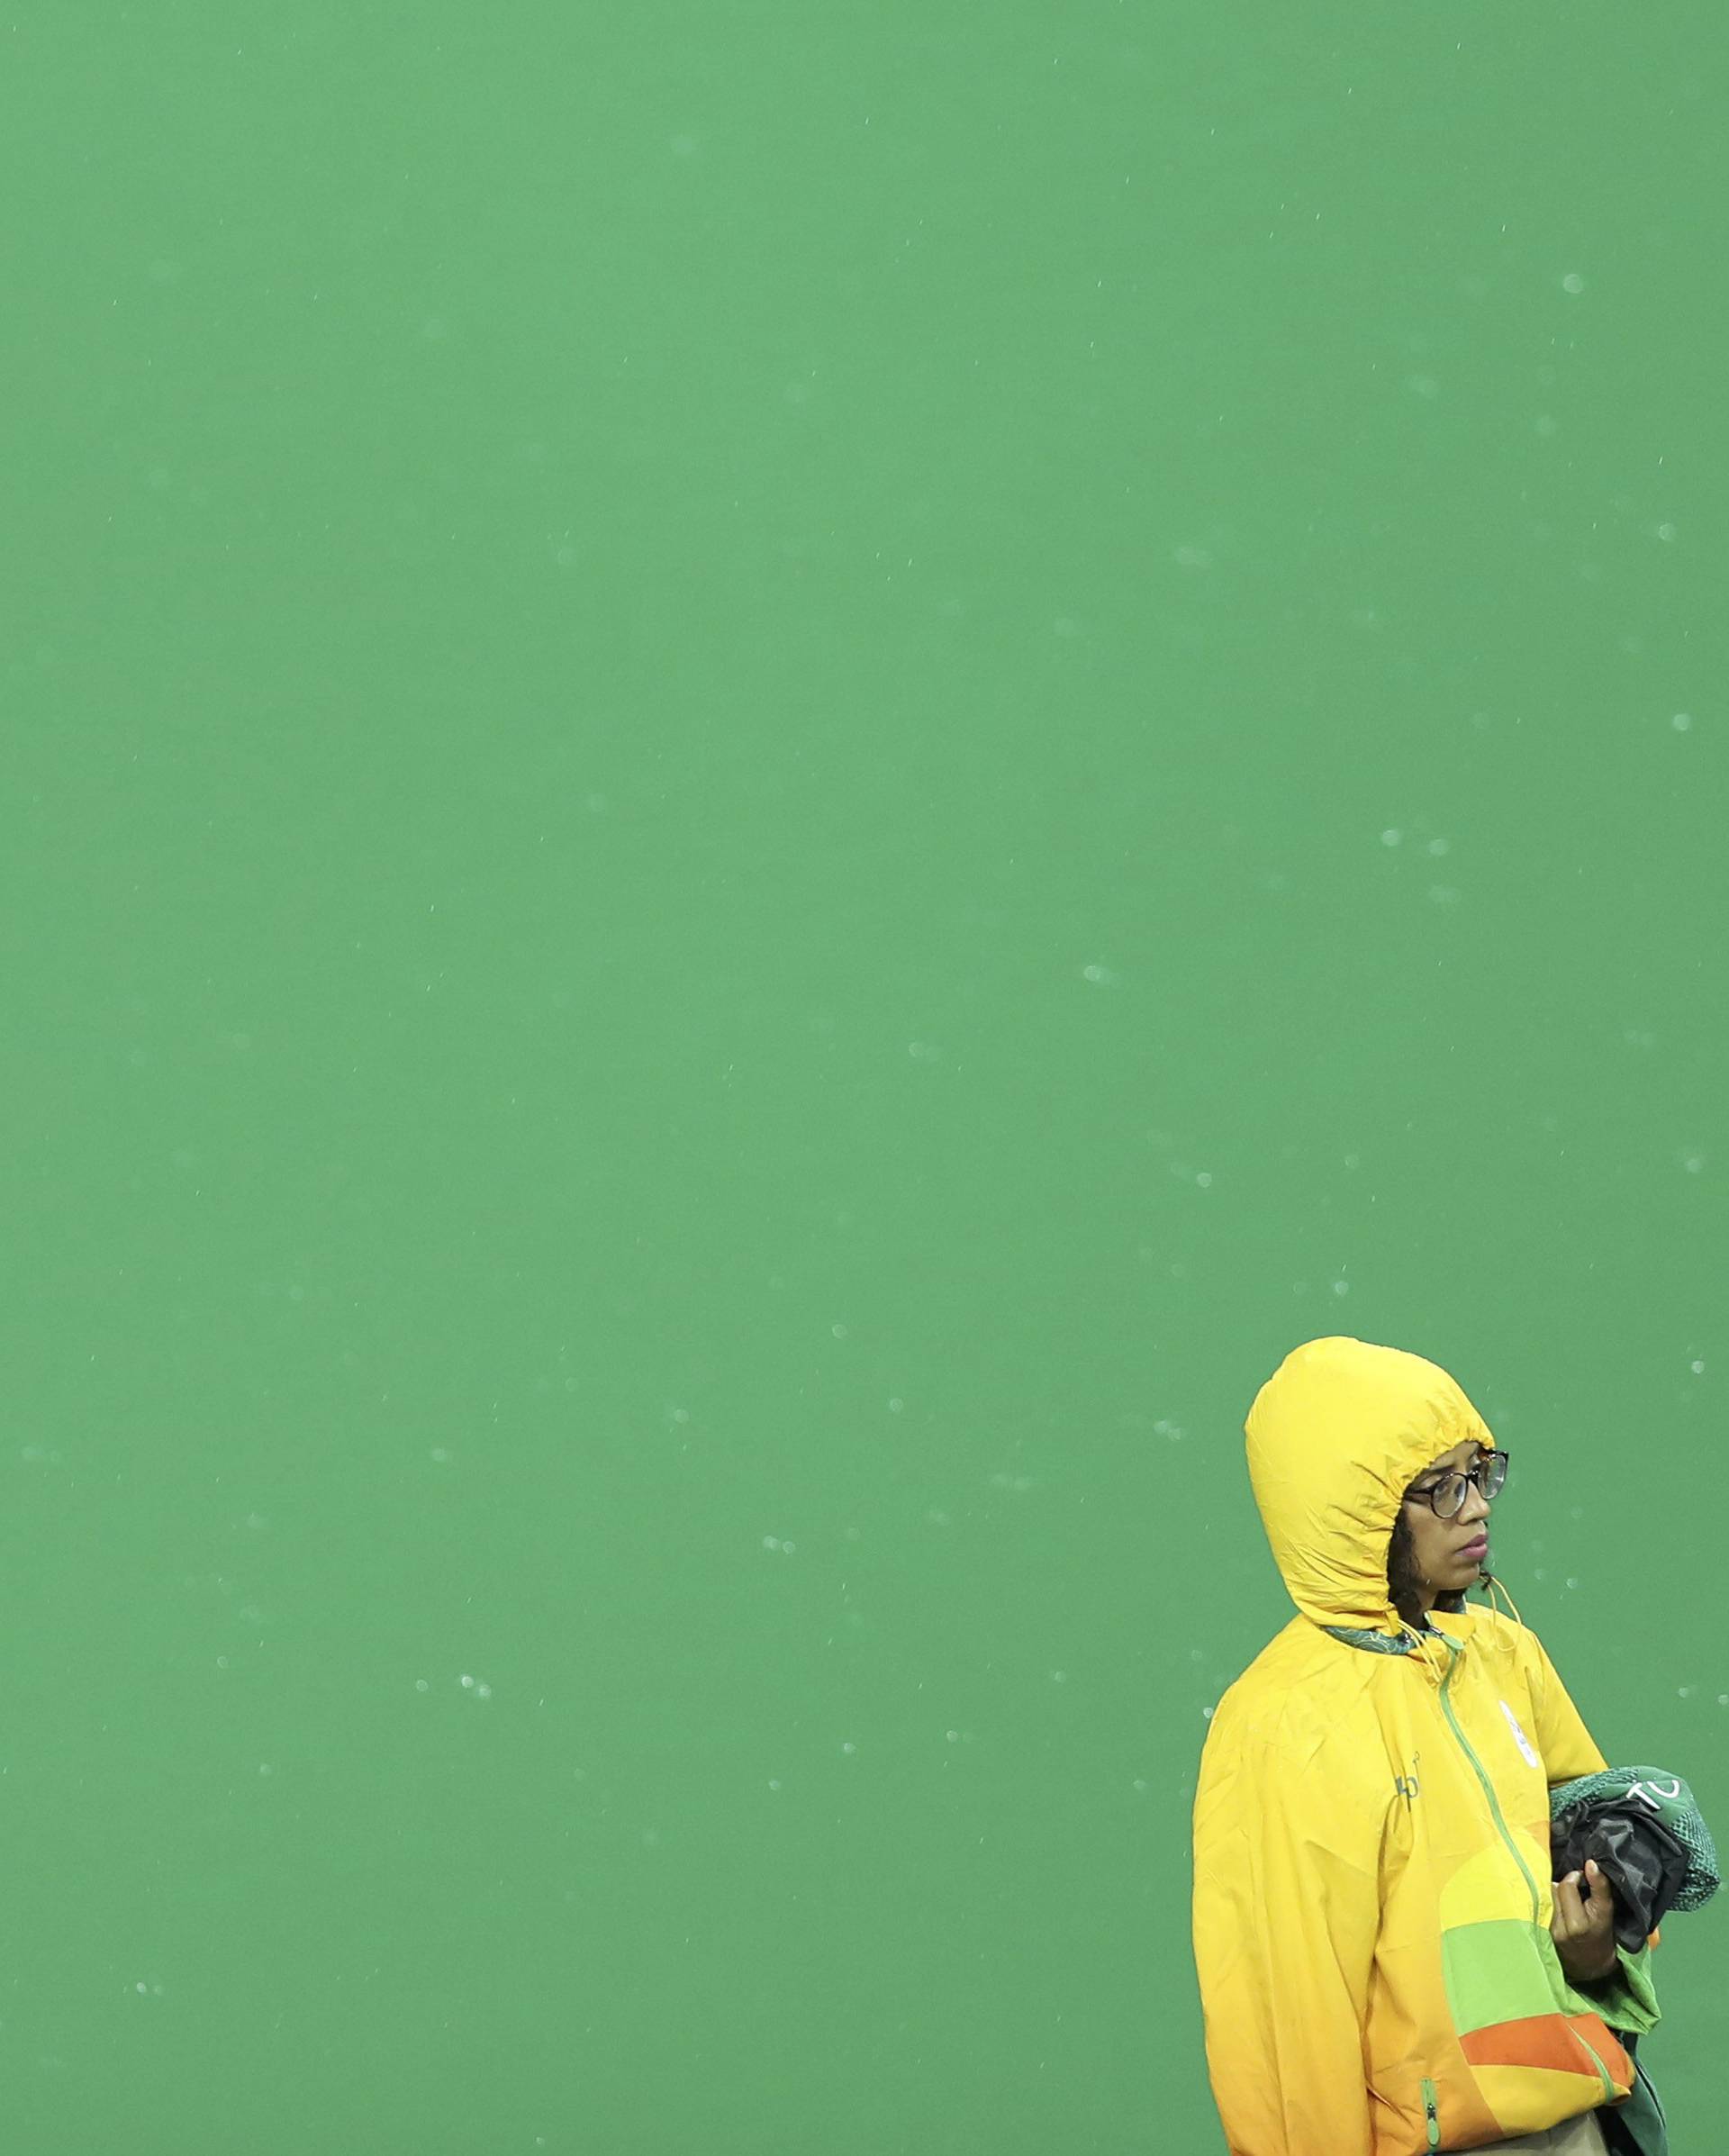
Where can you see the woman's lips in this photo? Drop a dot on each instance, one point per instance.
(1476, 1551)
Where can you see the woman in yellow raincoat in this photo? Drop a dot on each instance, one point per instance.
(1386, 1968)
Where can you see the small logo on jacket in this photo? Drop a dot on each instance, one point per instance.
(1519, 1737)
(1407, 1785)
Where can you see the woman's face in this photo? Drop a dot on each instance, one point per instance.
(1449, 1553)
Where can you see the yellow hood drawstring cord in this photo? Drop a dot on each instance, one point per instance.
(1493, 1586)
(1491, 1581)
(1420, 1644)
(1426, 1645)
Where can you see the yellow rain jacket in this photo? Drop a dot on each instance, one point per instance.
(1371, 1890)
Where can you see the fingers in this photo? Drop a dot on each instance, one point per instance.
(1578, 1918)
(1599, 1911)
(1570, 1921)
(1583, 1927)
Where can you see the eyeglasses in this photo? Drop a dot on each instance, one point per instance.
(1447, 1497)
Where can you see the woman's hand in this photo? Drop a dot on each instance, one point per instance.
(1583, 1931)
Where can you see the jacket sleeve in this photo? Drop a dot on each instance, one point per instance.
(1287, 1903)
(1628, 1999)
(1567, 1746)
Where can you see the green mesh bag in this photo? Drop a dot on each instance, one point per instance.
(1664, 1798)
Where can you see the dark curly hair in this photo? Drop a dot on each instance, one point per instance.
(1405, 1580)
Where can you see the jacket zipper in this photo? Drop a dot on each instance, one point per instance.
(1453, 1652)
(1432, 2115)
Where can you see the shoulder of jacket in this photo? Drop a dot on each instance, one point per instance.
(1510, 1657)
(1300, 1698)
(1498, 1626)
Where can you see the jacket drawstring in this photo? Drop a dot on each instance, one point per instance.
(1429, 1643)
(1493, 1586)
(1491, 1581)
(1420, 1645)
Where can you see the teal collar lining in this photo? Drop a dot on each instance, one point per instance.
(1373, 1642)
(1389, 1643)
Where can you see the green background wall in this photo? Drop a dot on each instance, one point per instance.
(772, 776)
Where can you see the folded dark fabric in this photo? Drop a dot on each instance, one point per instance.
(1642, 1827)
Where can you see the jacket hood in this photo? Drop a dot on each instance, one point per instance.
(1335, 1436)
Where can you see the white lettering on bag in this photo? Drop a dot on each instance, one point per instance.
(1648, 1792)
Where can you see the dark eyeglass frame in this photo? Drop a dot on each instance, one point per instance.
(1428, 1493)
